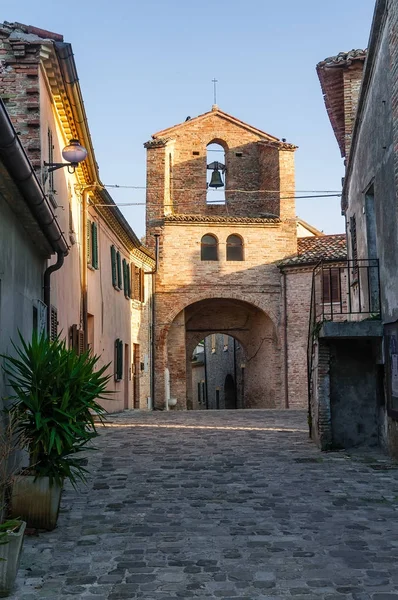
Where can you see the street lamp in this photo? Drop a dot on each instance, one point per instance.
(74, 153)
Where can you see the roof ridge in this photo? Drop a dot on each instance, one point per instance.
(222, 114)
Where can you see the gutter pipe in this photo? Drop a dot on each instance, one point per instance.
(18, 165)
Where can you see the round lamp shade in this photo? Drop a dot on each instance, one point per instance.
(74, 152)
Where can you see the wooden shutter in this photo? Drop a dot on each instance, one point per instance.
(53, 323)
(119, 271)
(142, 285)
(331, 285)
(128, 275)
(118, 360)
(89, 242)
(125, 283)
(94, 245)
(113, 262)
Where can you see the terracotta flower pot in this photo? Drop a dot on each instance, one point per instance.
(36, 502)
(10, 554)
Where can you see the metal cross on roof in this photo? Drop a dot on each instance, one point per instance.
(215, 81)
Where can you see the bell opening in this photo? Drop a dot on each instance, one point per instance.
(216, 174)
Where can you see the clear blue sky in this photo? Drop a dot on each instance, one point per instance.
(145, 65)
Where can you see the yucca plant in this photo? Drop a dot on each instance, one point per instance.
(54, 404)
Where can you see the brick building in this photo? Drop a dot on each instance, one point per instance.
(355, 391)
(219, 255)
(98, 296)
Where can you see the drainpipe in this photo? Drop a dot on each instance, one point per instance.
(47, 286)
(285, 341)
(153, 318)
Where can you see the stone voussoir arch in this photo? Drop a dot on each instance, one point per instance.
(195, 297)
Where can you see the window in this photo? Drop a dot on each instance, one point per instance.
(118, 360)
(331, 291)
(76, 339)
(213, 343)
(137, 284)
(114, 266)
(92, 244)
(215, 160)
(209, 248)
(126, 279)
(119, 270)
(234, 247)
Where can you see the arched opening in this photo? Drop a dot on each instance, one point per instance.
(234, 247)
(215, 174)
(257, 376)
(209, 247)
(217, 378)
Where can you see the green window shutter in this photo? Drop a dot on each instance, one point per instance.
(128, 271)
(94, 245)
(118, 360)
(119, 271)
(124, 276)
(89, 242)
(113, 261)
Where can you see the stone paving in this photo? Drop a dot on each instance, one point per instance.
(220, 504)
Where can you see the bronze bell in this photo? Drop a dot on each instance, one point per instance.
(216, 179)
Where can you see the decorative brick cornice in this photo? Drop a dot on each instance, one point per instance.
(158, 143)
(220, 219)
(279, 145)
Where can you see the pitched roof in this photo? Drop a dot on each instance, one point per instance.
(330, 72)
(223, 115)
(309, 227)
(311, 250)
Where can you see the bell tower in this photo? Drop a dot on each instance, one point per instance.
(220, 197)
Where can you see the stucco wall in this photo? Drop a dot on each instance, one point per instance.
(21, 282)
(65, 283)
(113, 316)
(373, 164)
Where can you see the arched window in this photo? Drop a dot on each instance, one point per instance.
(234, 247)
(215, 173)
(209, 248)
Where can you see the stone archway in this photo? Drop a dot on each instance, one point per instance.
(239, 319)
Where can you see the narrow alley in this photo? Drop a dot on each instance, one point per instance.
(219, 504)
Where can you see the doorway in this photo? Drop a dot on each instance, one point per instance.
(136, 375)
(230, 392)
(126, 377)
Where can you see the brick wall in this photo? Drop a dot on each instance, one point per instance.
(352, 78)
(176, 171)
(19, 89)
(298, 297)
(243, 299)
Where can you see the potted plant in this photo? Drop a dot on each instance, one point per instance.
(53, 407)
(11, 530)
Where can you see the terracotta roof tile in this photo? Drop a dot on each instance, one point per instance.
(311, 250)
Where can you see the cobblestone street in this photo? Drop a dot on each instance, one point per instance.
(220, 504)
